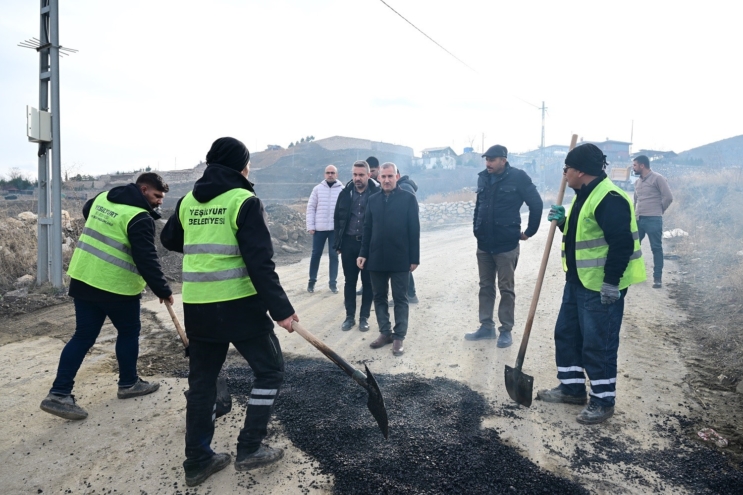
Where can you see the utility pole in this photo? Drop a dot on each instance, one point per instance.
(543, 172)
(49, 226)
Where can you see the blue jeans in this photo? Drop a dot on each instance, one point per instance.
(319, 238)
(586, 342)
(89, 318)
(653, 227)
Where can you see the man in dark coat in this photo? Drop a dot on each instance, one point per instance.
(229, 284)
(390, 250)
(408, 184)
(348, 221)
(501, 190)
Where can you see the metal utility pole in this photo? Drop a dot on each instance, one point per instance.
(541, 153)
(49, 251)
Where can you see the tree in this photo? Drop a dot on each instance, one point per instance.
(291, 145)
(302, 140)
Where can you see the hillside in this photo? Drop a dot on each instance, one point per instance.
(725, 153)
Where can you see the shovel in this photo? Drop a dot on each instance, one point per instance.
(520, 385)
(224, 399)
(375, 402)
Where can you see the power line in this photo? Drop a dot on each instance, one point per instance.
(424, 34)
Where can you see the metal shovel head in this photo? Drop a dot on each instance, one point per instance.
(519, 386)
(375, 403)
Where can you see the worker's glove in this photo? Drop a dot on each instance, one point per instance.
(557, 212)
(609, 293)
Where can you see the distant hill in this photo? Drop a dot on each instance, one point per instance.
(725, 153)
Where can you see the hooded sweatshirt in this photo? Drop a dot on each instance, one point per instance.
(141, 233)
(239, 319)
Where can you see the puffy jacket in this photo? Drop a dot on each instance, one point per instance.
(343, 210)
(497, 219)
(321, 205)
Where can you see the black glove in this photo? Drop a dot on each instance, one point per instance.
(609, 293)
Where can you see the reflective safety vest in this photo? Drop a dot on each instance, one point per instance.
(103, 255)
(213, 268)
(591, 248)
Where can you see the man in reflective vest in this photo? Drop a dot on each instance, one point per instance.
(229, 283)
(601, 257)
(114, 259)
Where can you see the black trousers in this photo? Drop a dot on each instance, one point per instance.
(350, 250)
(264, 356)
(381, 281)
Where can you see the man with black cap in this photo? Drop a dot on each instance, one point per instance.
(229, 283)
(373, 169)
(601, 257)
(501, 190)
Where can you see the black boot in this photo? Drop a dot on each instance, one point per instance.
(482, 333)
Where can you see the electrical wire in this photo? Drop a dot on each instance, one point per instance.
(424, 34)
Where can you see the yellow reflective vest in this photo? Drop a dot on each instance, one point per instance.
(103, 255)
(213, 268)
(591, 248)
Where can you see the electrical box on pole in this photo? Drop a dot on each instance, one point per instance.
(38, 125)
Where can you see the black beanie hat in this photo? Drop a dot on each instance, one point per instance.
(373, 162)
(587, 158)
(228, 152)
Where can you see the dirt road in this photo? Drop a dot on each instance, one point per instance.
(136, 446)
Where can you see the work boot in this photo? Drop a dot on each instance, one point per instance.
(348, 324)
(413, 299)
(381, 341)
(657, 284)
(262, 457)
(63, 406)
(311, 287)
(397, 349)
(481, 334)
(334, 289)
(217, 463)
(558, 395)
(138, 389)
(363, 324)
(594, 414)
(504, 339)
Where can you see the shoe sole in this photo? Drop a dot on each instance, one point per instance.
(474, 339)
(213, 468)
(120, 395)
(242, 466)
(503, 345)
(584, 421)
(563, 399)
(63, 414)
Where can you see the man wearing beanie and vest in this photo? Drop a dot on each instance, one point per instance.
(601, 257)
(229, 283)
(114, 259)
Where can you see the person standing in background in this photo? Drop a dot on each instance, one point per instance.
(320, 211)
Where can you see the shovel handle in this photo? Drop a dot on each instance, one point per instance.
(542, 270)
(329, 353)
(177, 324)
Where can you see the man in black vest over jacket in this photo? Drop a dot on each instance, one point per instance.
(501, 190)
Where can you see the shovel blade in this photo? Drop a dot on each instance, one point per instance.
(375, 403)
(519, 386)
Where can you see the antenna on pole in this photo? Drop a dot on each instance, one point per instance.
(44, 128)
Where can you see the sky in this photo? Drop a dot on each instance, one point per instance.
(155, 83)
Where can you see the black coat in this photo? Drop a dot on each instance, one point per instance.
(407, 184)
(391, 240)
(141, 234)
(497, 219)
(343, 211)
(239, 319)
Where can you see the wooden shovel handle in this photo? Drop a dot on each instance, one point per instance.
(542, 269)
(322, 347)
(177, 324)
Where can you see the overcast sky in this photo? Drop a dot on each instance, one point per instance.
(156, 82)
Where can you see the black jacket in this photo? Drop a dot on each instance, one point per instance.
(391, 240)
(614, 217)
(243, 318)
(343, 211)
(497, 219)
(141, 233)
(407, 184)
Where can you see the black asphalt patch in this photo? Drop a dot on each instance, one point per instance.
(436, 444)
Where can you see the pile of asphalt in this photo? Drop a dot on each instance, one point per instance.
(435, 444)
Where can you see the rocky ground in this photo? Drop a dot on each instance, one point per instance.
(452, 426)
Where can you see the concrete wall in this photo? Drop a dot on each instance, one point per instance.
(433, 215)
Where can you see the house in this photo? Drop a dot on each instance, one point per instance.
(437, 158)
(655, 154)
(273, 147)
(615, 151)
